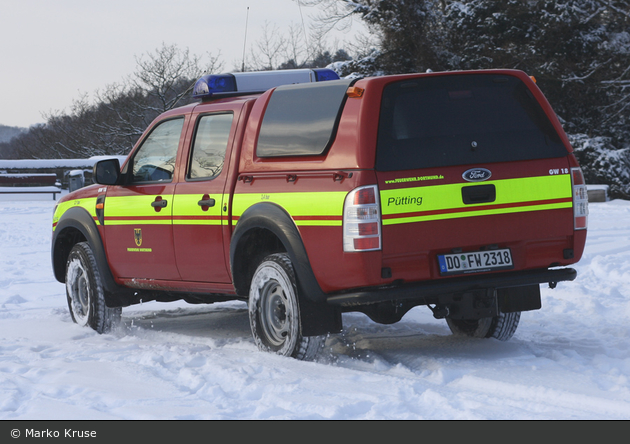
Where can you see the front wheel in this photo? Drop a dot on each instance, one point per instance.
(84, 291)
(274, 313)
(501, 327)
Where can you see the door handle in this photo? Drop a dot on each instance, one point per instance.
(159, 203)
(477, 194)
(206, 202)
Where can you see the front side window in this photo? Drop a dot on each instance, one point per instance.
(209, 146)
(155, 159)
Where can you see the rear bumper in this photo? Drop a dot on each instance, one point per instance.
(427, 289)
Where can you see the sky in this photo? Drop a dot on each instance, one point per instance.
(54, 51)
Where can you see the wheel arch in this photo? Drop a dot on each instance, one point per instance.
(77, 225)
(264, 229)
(267, 228)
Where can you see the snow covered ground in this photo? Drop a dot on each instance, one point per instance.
(570, 360)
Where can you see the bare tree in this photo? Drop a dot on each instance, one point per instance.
(117, 116)
(336, 14)
(296, 51)
(268, 52)
(160, 73)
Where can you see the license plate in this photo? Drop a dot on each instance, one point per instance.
(475, 262)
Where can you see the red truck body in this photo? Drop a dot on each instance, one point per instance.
(367, 220)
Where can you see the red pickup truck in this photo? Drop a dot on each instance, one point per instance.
(308, 196)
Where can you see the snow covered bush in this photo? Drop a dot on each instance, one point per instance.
(603, 164)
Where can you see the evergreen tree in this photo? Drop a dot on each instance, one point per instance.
(578, 50)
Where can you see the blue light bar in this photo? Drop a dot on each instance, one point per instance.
(323, 74)
(259, 81)
(211, 84)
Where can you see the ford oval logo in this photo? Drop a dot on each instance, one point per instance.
(476, 174)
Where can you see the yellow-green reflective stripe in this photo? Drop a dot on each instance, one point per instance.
(317, 223)
(154, 221)
(306, 208)
(89, 204)
(433, 199)
(136, 210)
(196, 222)
(187, 211)
(134, 206)
(187, 205)
(404, 220)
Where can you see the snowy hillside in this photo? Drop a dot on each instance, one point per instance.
(570, 360)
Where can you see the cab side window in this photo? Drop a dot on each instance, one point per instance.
(155, 159)
(209, 146)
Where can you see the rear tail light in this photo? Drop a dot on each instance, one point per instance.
(362, 220)
(580, 200)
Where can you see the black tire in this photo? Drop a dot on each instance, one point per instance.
(274, 312)
(501, 327)
(84, 291)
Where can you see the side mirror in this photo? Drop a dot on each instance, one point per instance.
(107, 172)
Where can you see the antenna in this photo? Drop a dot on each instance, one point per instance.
(303, 26)
(245, 40)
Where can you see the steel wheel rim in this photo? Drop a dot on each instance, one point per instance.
(79, 293)
(273, 313)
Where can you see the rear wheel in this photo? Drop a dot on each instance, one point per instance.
(274, 312)
(501, 327)
(84, 291)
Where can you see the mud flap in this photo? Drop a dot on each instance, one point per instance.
(516, 299)
(319, 318)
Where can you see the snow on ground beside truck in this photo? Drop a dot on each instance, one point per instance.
(569, 360)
